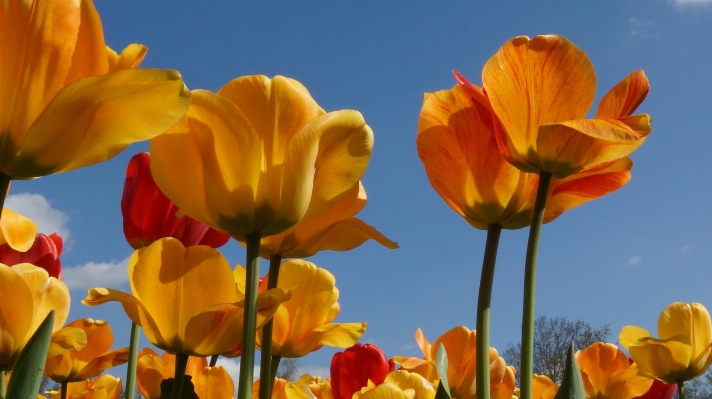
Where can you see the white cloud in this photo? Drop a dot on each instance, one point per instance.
(641, 28)
(37, 208)
(315, 371)
(634, 260)
(90, 275)
(232, 367)
(684, 3)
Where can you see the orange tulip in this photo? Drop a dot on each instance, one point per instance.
(457, 145)
(608, 374)
(17, 231)
(540, 91)
(543, 387)
(104, 387)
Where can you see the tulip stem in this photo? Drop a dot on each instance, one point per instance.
(214, 360)
(133, 356)
(483, 311)
(266, 372)
(680, 390)
(4, 186)
(530, 285)
(275, 365)
(63, 390)
(179, 377)
(3, 385)
(247, 361)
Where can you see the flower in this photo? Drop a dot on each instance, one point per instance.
(659, 390)
(460, 346)
(353, 368)
(44, 253)
(399, 384)
(302, 324)
(69, 101)
(27, 295)
(336, 229)
(150, 215)
(89, 361)
(457, 145)
(209, 382)
(543, 387)
(184, 298)
(104, 387)
(306, 387)
(264, 154)
(17, 231)
(540, 91)
(682, 352)
(607, 373)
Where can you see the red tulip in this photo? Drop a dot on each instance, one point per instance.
(149, 215)
(44, 253)
(659, 390)
(353, 368)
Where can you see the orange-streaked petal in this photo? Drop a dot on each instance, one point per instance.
(535, 82)
(66, 339)
(130, 57)
(103, 362)
(540, 383)
(625, 97)
(95, 118)
(150, 371)
(692, 321)
(598, 362)
(213, 382)
(17, 231)
(99, 337)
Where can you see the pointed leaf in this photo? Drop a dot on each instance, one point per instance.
(27, 373)
(441, 367)
(572, 383)
(443, 392)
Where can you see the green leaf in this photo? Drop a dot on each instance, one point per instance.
(441, 368)
(27, 372)
(571, 384)
(442, 392)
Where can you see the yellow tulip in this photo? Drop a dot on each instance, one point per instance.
(460, 346)
(17, 231)
(184, 298)
(27, 295)
(320, 387)
(682, 351)
(69, 101)
(336, 229)
(89, 361)
(541, 89)
(264, 155)
(209, 382)
(306, 387)
(303, 323)
(608, 374)
(456, 143)
(104, 387)
(399, 384)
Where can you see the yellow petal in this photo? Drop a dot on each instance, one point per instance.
(341, 335)
(48, 294)
(627, 384)
(150, 371)
(99, 337)
(17, 231)
(382, 391)
(88, 58)
(215, 151)
(537, 82)
(667, 360)
(100, 363)
(692, 321)
(213, 382)
(298, 390)
(422, 388)
(625, 97)
(66, 339)
(630, 334)
(95, 118)
(130, 57)
(15, 315)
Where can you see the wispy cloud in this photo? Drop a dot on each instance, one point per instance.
(37, 208)
(233, 368)
(641, 28)
(634, 260)
(684, 249)
(89, 275)
(690, 3)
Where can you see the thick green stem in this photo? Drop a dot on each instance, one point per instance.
(266, 374)
(483, 311)
(247, 360)
(680, 390)
(214, 360)
(530, 285)
(275, 365)
(63, 390)
(3, 385)
(4, 185)
(179, 377)
(133, 356)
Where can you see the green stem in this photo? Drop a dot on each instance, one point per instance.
(214, 360)
(680, 390)
(530, 286)
(63, 390)
(4, 185)
(179, 377)
(3, 385)
(483, 312)
(133, 356)
(266, 373)
(247, 361)
(275, 365)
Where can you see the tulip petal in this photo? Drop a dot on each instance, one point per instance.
(150, 371)
(48, 294)
(536, 82)
(630, 334)
(99, 337)
(541, 383)
(598, 362)
(15, 320)
(692, 321)
(66, 339)
(100, 363)
(625, 97)
(667, 360)
(198, 156)
(341, 335)
(130, 57)
(213, 382)
(383, 391)
(341, 236)
(627, 384)
(17, 231)
(95, 118)
(88, 58)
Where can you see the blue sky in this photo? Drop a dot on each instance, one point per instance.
(618, 260)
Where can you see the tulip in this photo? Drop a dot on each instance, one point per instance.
(28, 295)
(44, 253)
(150, 215)
(303, 323)
(278, 390)
(607, 373)
(91, 360)
(399, 384)
(659, 390)
(353, 368)
(209, 382)
(543, 387)
(318, 386)
(17, 231)
(460, 346)
(682, 351)
(307, 387)
(540, 91)
(184, 298)
(104, 387)
(69, 101)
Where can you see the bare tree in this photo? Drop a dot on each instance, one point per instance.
(552, 337)
(288, 369)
